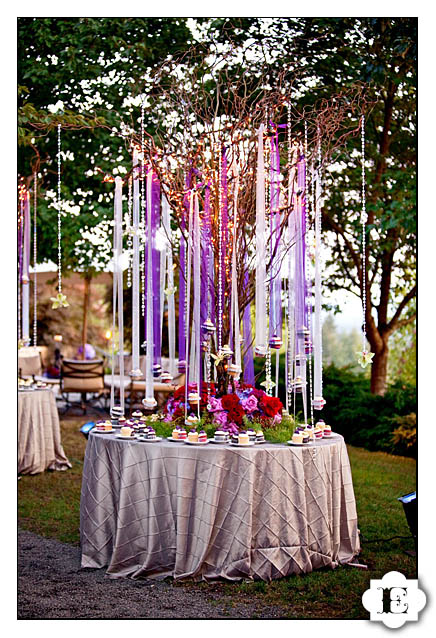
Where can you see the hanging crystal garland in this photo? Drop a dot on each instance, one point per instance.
(291, 256)
(129, 235)
(268, 383)
(364, 357)
(308, 343)
(60, 301)
(35, 314)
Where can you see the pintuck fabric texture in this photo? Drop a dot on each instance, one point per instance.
(264, 512)
(39, 437)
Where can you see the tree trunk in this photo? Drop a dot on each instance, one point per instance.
(88, 278)
(379, 368)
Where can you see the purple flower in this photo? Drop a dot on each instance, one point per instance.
(249, 404)
(215, 404)
(220, 417)
(277, 418)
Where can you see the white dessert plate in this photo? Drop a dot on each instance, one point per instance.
(26, 389)
(251, 443)
(264, 441)
(196, 442)
(170, 438)
(219, 442)
(103, 431)
(296, 444)
(144, 440)
(126, 438)
(333, 435)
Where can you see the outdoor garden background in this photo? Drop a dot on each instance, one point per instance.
(87, 74)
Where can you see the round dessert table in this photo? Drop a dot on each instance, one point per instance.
(39, 437)
(156, 509)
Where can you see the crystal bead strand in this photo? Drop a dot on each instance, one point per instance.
(309, 288)
(318, 213)
(129, 236)
(35, 315)
(289, 322)
(363, 220)
(59, 214)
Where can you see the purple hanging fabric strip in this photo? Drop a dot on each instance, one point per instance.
(155, 223)
(300, 279)
(302, 188)
(205, 233)
(248, 337)
(211, 258)
(182, 267)
(275, 298)
(225, 222)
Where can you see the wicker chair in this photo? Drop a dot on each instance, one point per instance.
(83, 377)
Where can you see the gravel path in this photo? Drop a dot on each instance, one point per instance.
(52, 585)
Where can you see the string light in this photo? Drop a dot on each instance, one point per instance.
(267, 283)
(142, 243)
(288, 318)
(220, 252)
(35, 315)
(59, 213)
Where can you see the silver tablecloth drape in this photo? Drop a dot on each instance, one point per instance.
(39, 437)
(263, 512)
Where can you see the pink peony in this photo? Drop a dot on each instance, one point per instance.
(277, 418)
(215, 404)
(250, 404)
(220, 417)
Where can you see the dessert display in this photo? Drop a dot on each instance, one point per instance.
(327, 430)
(202, 436)
(243, 438)
(193, 436)
(220, 436)
(260, 437)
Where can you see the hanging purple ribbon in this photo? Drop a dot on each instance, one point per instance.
(276, 280)
(182, 266)
(248, 338)
(300, 258)
(205, 247)
(155, 223)
(225, 225)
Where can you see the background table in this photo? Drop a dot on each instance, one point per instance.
(39, 437)
(263, 512)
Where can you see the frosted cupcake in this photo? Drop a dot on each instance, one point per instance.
(151, 434)
(192, 420)
(251, 435)
(297, 438)
(202, 436)
(220, 435)
(306, 436)
(318, 433)
(193, 436)
(193, 399)
(320, 424)
(243, 438)
(327, 430)
(260, 436)
(137, 414)
(182, 434)
(126, 431)
(122, 420)
(175, 433)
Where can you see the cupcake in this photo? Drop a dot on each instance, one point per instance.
(235, 438)
(192, 420)
(306, 436)
(260, 437)
(182, 434)
(137, 414)
(220, 435)
(151, 434)
(108, 427)
(327, 430)
(122, 420)
(193, 436)
(100, 427)
(166, 377)
(243, 438)
(175, 433)
(126, 431)
(251, 435)
(149, 403)
(297, 438)
(193, 399)
(317, 433)
(320, 424)
(202, 436)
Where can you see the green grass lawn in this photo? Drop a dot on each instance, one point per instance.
(48, 504)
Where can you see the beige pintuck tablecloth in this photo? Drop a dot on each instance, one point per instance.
(263, 512)
(39, 438)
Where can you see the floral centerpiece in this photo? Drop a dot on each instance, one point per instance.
(229, 412)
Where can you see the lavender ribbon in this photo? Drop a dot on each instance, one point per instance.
(276, 280)
(155, 222)
(248, 339)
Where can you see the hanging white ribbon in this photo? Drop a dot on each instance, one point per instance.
(188, 293)
(234, 299)
(117, 297)
(260, 246)
(135, 271)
